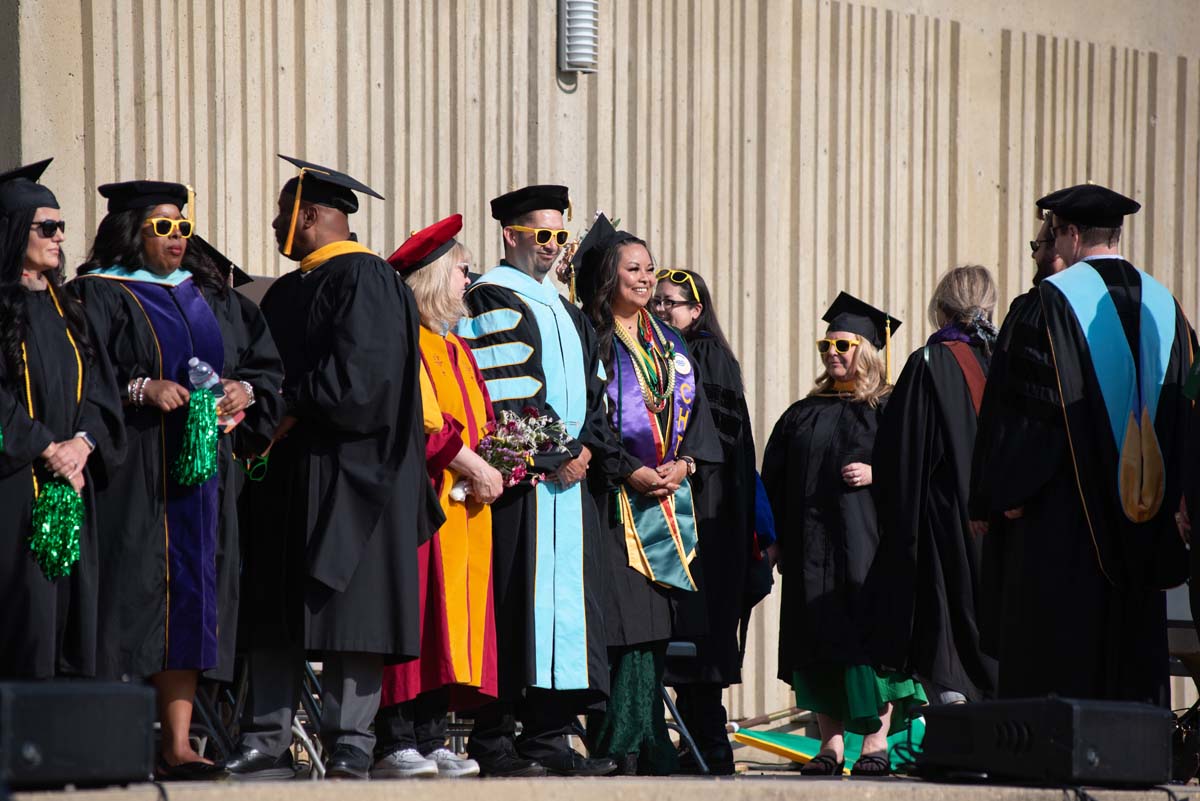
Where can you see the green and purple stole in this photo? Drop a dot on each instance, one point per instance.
(660, 533)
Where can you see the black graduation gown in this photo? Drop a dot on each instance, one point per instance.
(514, 514)
(152, 554)
(48, 628)
(251, 356)
(637, 610)
(924, 586)
(827, 530)
(725, 523)
(1064, 626)
(330, 561)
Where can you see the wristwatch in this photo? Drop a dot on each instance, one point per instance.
(691, 464)
(87, 440)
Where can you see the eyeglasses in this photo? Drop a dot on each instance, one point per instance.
(669, 303)
(464, 268)
(1034, 244)
(255, 467)
(543, 235)
(678, 277)
(46, 228)
(165, 226)
(841, 345)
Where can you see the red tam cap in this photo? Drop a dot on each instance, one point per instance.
(426, 246)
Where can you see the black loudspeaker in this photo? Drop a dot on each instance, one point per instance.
(84, 733)
(1049, 741)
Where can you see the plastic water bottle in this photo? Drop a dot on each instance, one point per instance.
(202, 376)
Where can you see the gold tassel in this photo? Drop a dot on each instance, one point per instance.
(887, 346)
(287, 245)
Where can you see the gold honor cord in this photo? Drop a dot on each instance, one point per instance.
(887, 346)
(287, 245)
(78, 373)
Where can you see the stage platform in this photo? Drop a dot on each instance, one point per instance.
(758, 787)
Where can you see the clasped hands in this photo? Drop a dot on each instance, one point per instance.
(67, 460)
(659, 482)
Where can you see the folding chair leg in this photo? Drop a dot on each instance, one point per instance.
(314, 756)
(683, 730)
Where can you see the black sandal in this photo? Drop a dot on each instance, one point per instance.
(872, 766)
(823, 765)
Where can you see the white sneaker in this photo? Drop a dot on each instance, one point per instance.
(452, 766)
(406, 763)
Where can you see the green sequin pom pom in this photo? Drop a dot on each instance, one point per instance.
(57, 520)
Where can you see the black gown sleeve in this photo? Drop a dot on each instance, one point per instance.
(251, 356)
(345, 390)
(102, 415)
(24, 437)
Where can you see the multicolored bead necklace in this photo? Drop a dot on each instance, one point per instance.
(654, 368)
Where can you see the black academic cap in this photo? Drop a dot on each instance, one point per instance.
(530, 198)
(222, 262)
(848, 313)
(590, 254)
(326, 186)
(20, 190)
(1090, 204)
(144, 194)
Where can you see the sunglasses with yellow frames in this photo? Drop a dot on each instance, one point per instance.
(840, 345)
(165, 226)
(678, 277)
(543, 235)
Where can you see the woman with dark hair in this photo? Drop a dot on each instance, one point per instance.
(60, 429)
(729, 567)
(149, 303)
(662, 429)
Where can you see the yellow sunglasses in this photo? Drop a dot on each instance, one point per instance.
(841, 345)
(678, 277)
(165, 226)
(543, 235)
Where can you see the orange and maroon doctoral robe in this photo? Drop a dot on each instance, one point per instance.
(458, 631)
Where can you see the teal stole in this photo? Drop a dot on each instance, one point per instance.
(1130, 394)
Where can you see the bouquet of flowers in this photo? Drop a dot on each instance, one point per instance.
(511, 444)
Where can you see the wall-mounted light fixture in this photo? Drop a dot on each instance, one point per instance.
(578, 35)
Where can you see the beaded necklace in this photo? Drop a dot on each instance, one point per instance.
(654, 368)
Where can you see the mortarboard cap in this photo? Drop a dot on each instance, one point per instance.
(590, 254)
(1090, 204)
(530, 198)
(145, 194)
(229, 271)
(323, 186)
(426, 246)
(848, 313)
(20, 190)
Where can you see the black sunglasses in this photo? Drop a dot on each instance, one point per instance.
(47, 227)
(1034, 244)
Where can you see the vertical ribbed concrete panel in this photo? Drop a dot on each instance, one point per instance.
(785, 149)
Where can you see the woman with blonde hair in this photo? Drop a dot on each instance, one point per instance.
(924, 588)
(817, 472)
(457, 665)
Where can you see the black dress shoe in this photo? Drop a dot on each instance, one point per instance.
(250, 764)
(348, 762)
(188, 772)
(572, 763)
(509, 766)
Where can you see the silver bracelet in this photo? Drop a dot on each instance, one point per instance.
(249, 391)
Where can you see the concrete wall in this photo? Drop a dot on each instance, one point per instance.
(786, 150)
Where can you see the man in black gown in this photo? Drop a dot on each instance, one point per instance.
(1080, 453)
(538, 352)
(331, 563)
